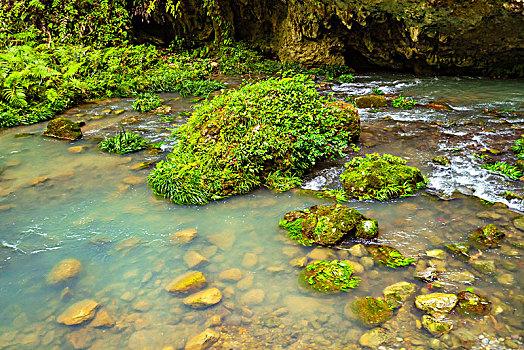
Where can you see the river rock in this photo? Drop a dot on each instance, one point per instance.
(63, 271)
(133, 180)
(183, 236)
(436, 327)
(223, 241)
(77, 149)
(64, 129)
(462, 277)
(506, 279)
(396, 294)
(358, 250)
(203, 341)
(484, 266)
(204, 298)
(371, 312)
(436, 304)
(187, 283)
(299, 262)
(234, 274)
(253, 297)
(470, 303)
(370, 101)
(460, 250)
(78, 313)
(374, 338)
(102, 320)
(81, 338)
(249, 260)
(437, 254)
(142, 305)
(429, 274)
(486, 237)
(193, 259)
(442, 160)
(518, 222)
(320, 254)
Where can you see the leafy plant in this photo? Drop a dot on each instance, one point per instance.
(146, 102)
(505, 169)
(123, 142)
(265, 133)
(339, 195)
(518, 147)
(346, 78)
(403, 102)
(377, 91)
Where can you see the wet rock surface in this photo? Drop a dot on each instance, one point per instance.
(63, 128)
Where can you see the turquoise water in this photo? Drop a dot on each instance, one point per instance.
(56, 204)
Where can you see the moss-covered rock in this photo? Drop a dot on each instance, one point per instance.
(442, 160)
(323, 225)
(371, 312)
(459, 250)
(370, 101)
(388, 256)
(396, 294)
(436, 304)
(436, 327)
(265, 133)
(188, 282)
(486, 237)
(473, 304)
(64, 129)
(380, 177)
(329, 276)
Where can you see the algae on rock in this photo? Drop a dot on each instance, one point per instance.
(388, 256)
(380, 177)
(371, 312)
(265, 133)
(329, 276)
(328, 225)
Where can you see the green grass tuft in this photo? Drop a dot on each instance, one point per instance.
(123, 142)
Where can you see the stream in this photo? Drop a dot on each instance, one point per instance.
(61, 200)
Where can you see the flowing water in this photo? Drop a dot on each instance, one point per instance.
(61, 200)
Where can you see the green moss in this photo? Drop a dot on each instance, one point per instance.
(485, 237)
(63, 128)
(123, 142)
(371, 312)
(329, 276)
(323, 225)
(146, 102)
(442, 160)
(380, 177)
(265, 133)
(388, 256)
(403, 102)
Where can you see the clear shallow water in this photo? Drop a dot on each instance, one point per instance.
(94, 207)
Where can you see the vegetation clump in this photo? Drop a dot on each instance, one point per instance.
(518, 147)
(403, 102)
(371, 312)
(146, 102)
(508, 170)
(380, 177)
(470, 303)
(329, 276)
(327, 226)
(123, 142)
(388, 256)
(485, 237)
(265, 133)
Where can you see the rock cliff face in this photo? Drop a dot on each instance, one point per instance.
(478, 37)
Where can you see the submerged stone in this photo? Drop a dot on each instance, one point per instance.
(371, 312)
(485, 237)
(183, 236)
(436, 304)
(429, 274)
(518, 222)
(203, 341)
(370, 101)
(380, 177)
(187, 283)
(388, 256)
(78, 313)
(436, 327)
(329, 276)
(485, 266)
(64, 270)
(203, 299)
(460, 250)
(323, 225)
(396, 294)
(471, 303)
(63, 128)
(374, 338)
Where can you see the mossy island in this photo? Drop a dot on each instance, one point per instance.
(328, 225)
(329, 276)
(265, 133)
(380, 177)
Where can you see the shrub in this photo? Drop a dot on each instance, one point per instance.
(265, 133)
(123, 142)
(146, 102)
